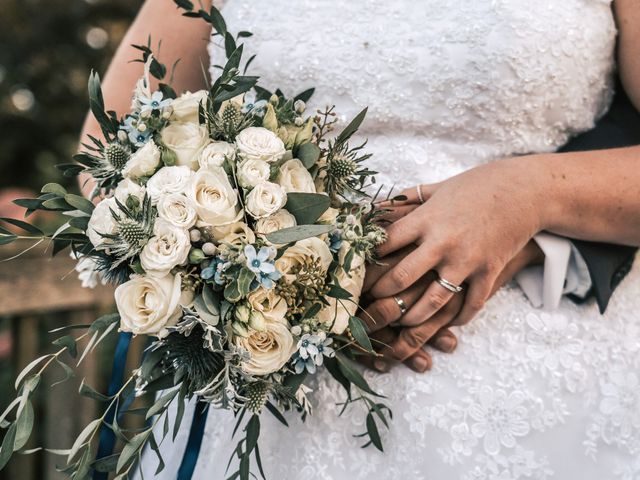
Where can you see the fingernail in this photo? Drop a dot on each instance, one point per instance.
(381, 366)
(422, 364)
(446, 343)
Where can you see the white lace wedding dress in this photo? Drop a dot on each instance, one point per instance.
(450, 85)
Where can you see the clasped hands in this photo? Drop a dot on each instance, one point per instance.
(474, 230)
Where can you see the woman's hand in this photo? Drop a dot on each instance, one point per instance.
(405, 344)
(468, 230)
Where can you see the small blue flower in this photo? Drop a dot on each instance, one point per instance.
(307, 346)
(324, 350)
(335, 241)
(252, 106)
(154, 103)
(261, 264)
(136, 137)
(216, 271)
(300, 365)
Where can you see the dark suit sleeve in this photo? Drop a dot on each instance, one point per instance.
(608, 264)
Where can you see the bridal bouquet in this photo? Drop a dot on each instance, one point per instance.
(237, 232)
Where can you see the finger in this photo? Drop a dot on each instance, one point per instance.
(452, 308)
(444, 340)
(434, 298)
(478, 293)
(384, 311)
(419, 362)
(391, 214)
(412, 196)
(375, 271)
(411, 339)
(400, 233)
(406, 272)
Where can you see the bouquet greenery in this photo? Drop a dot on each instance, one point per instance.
(237, 228)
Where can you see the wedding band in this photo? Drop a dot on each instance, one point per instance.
(452, 287)
(401, 304)
(419, 190)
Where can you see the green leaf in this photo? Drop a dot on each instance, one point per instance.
(352, 128)
(79, 202)
(161, 404)
(211, 300)
(156, 449)
(204, 313)
(245, 279)
(349, 370)
(7, 239)
(276, 413)
(357, 328)
(24, 426)
(336, 291)
(334, 370)
(82, 438)
(27, 227)
(132, 449)
(294, 234)
(6, 450)
(217, 21)
(372, 430)
(106, 464)
(305, 96)
(253, 433)
(69, 342)
(54, 188)
(308, 154)
(56, 204)
(307, 207)
(68, 372)
(87, 391)
(25, 371)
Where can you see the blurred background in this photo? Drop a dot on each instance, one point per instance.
(47, 49)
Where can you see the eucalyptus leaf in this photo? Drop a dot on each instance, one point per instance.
(132, 449)
(79, 202)
(87, 391)
(352, 128)
(82, 438)
(54, 188)
(294, 234)
(204, 313)
(348, 369)
(307, 207)
(27, 227)
(308, 154)
(69, 343)
(24, 426)
(161, 404)
(25, 371)
(372, 431)
(68, 372)
(357, 328)
(6, 450)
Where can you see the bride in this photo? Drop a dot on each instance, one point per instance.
(469, 102)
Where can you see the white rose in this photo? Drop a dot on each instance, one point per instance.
(269, 303)
(128, 188)
(185, 107)
(215, 199)
(270, 349)
(142, 163)
(259, 143)
(277, 221)
(265, 199)
(178, 210)
(252, 172)
(167, 180)
(102, 222)
(215, 153)
(337, 313)
(295, 255)
(168, 248)
(237, 233)
(147, 305)
(186, 140)
(294, 177)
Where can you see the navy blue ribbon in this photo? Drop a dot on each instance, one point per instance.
(107, 437)
(190, 457)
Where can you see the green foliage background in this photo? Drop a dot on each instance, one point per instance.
(48, 48)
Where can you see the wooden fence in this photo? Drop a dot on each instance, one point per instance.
(38, 293)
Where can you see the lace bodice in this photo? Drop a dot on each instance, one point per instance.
(454, 83)
(527, 394)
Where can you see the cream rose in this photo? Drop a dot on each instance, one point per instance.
(142, 163)
(147, 305)
(252, 172)
(167, 180)
(270, 349)
(127, 188)
(178, 210)
(277, 221)
(269, 303)
(186, 140)
(329, 216)
(258, 143)
(102, 222)
(357, 259)
(215, 200)
(337, 313)
(295, 255)
(265, 199)
(294, 177)
(237, 233)
(168, 248)
(215, 153)
(185, 107)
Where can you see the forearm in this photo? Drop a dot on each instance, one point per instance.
(589, 195)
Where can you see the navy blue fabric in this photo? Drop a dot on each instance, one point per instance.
(190, 457)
